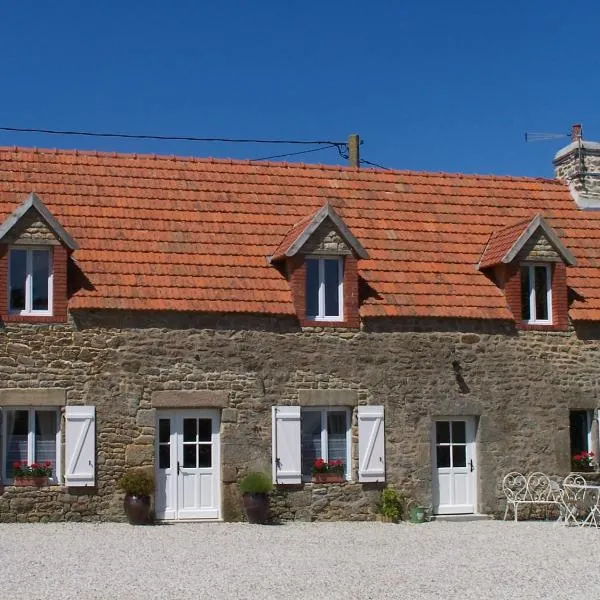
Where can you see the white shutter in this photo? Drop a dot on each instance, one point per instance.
(80, 446)
(371, 444)
(286, 445)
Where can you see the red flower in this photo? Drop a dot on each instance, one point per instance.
(16, 465)
(47, 463)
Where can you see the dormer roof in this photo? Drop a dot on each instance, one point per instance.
(301, 232)
(504, 245)
(33, 202)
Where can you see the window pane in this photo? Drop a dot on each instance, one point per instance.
(40, 273)
(164, 430)
(442, 432)
(204, 455)
(311, 439)
(336, 436)
(18, 267)
(45, 437)
(578, 426)
(332, 290)
(458, 432)
(541, 293)
(443, 457)
(17, 428)
(204, 430)
(525, 291)
(189, 455)
(164, 456)
(459, 456)
(189, 430)
(312, 287)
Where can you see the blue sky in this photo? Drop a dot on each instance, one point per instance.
(431, 85)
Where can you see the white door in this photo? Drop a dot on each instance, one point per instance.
(188, 483)
(453, 450)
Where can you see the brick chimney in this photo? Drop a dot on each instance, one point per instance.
(578, 165)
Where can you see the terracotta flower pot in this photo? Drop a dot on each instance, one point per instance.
(137, 509)
(256, 508)
(327, 478)
(31, 481)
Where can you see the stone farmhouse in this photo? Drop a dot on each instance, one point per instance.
(205, 318)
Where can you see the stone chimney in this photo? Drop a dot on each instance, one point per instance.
(578, 165)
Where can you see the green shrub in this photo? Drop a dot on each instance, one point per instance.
(256, 482)
(137, 482)
(391, 504)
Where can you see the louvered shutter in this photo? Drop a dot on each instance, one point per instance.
(371, 444)
(80, 446)
(286, 445)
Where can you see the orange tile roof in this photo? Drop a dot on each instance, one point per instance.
(189, 234)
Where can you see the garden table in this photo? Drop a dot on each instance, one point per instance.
(587, 496)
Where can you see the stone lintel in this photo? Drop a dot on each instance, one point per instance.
(33, 397)
(190, 399)
(327, 397)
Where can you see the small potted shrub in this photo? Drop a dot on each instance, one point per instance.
(255, 488)
(138, 485)
(391, 505)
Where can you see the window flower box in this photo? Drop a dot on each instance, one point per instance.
(327, 478)
(582, 462)
(328, 472)
(31, 481)
(34, 475)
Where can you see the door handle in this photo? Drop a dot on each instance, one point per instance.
(471, 465)
(179, 468)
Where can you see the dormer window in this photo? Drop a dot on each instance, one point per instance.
(34, 257)
(324, 289)
(536, 294)
(528, 261)
(30, 281)
(319, 258)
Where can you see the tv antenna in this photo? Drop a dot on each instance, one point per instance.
(539, 136)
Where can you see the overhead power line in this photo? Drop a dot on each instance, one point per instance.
(295, 153)
(368, 162)
(183, 138)
(342, 147)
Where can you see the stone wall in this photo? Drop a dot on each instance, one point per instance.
(326, 240)
(538, 248)
(519, 385)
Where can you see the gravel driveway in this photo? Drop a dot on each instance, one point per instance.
(483, 559)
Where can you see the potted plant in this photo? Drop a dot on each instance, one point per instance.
(582, 461)
(255, 488)
(328, 472)
(138, 485)
(390, 507)
(35, 475)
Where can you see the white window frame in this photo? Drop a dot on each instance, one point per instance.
(321, 316)
(324, 445)
(56, 475)
(533, 320)
(29, 281)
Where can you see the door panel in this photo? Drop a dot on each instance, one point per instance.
(453, 454)
(188, 465)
